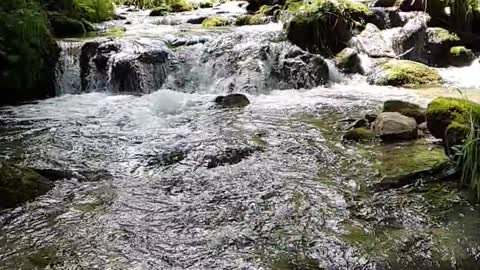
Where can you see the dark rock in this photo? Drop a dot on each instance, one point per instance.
(89, 27)
(370, 117)
(232, 101)
(197, 20)
(167, 159)
(385, 3)
(413, 5)
(409, 41)
(229, 157)
(405, 108)
(391, 126)
(254, 5)
(19, 185)
(64, 26)
(159, 11)
(119, 17)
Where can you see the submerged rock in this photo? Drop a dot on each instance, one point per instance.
(232, 101)
(230, 156)
(252, 20)
(215, 22)
(403, 72)
(348, 61)
(405, 108)
(460, 56)
(392, 126)
(19, 184)
(359, 134)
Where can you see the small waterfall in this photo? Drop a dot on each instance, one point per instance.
(68, 68)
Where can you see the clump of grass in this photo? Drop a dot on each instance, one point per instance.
(468, 154)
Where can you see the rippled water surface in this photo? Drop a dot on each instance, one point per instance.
(147, 198)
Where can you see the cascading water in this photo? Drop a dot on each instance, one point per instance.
(147, 194)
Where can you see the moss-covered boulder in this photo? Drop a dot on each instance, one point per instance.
(439, 42)
(28, 53)
(324, 26)
(447, 118)
(359, 134)
(159, 11)
(18, 185)
(405, 108)
(232, 101)
(348, 61)
(63, 26)
(267, 10)
(460, 56)
(251, 20)
(403, 73)
(180, 6)
(215, 22)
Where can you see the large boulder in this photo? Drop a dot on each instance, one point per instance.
(63, 26)
(324, 26)
(124, 66)
(460, 56)
(449, 118)
(385, 3)
(405, 108)
(395, 126)
(19, 184)
(372, 42)
(232, 101)
(403, 73)
(409, 41)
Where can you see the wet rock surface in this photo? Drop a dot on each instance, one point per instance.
(392, 126)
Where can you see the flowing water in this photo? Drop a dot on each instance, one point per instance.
(150, 197)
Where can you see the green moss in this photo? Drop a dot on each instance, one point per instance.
(250, 20)
(460, 56)
(352, 7)
(359, 134)
(443, 111)
(43, 258)
(215, 22)
(294, 5)
(443, 35)
(405, 72)
(398, 160)
(179, 5)
(294, 262)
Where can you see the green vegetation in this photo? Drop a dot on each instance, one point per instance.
(405, 72)
(27, 52)
(250, 20)
(215, 22)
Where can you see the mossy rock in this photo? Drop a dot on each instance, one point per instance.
(18, 185)
(180, 6)
(460, 56)
(359, 134)
(215, 22)
(439, 42)
(441, 35)
(206, 4)
(64, 26)
(447, 118)
(404, 73)
(159, 11)
(267, 10)
(405, 108)
(348, 61)
(251, 20)
(232, 101)
(324, 26)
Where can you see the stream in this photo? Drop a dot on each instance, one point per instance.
(151, 195)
